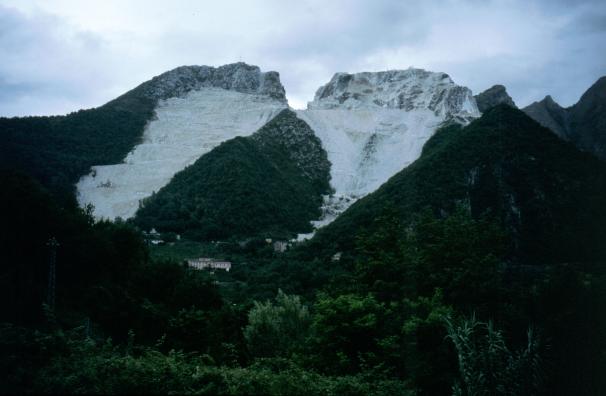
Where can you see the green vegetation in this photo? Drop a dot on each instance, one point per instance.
(548, 197)
(58, 150)
(276, 330)
(487, 365)
(82, 365)
(182, 250)
(268, 184)
(496, 221)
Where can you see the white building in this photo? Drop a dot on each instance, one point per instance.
(205, 262)
(280, 246)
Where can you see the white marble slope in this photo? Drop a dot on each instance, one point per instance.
(373, 125)
(196, 111)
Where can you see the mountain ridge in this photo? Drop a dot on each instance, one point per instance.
(505, 162)
(239, 76)
(583, 124)
(58, 150)
(406, 89)
(197, 108)
(268, 184)
(493, 96)
(373, 124)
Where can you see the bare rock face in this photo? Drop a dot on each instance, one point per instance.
(588, 120)
(197, 108)
(238, 77)
(407, 90)
(497, 94)
(551, 115)
(372, 125)
(583, 124)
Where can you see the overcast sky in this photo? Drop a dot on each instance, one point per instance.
(58, 56)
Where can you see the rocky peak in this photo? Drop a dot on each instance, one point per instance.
(588, 120)
(583, 124)
(493, 96)
(548, 100)
(239, 77)
(407, 90)
(551, 115)
(594, 97)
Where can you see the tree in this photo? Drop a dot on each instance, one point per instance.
(277, 329)
(347, 330)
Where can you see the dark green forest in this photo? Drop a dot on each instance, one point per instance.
(58, 150)
(477, 270)
(268, 184)
(547, 195)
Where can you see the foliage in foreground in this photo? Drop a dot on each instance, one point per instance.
(77, 364)
(276, 330)
(488, 367)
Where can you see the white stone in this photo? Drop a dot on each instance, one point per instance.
(373, 125)
(183, 130)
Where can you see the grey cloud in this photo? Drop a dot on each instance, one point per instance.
(44, 61)
(546, 47)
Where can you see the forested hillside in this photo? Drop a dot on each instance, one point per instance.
(57, 150)
(477, 270)
(549, 197)
(270, 183)
(505, 220)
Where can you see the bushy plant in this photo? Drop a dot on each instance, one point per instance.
(278, 328)
(487, 366)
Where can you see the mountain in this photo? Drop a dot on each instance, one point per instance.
(551, 115)
(198, 107)
(507, 220)
(583, 124)
(588, 120)
(372, 125)
(268, 184)
(467, 256)
(548, 196)
(493, 96)
(58, 150)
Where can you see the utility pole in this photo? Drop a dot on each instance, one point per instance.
(50, 298)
